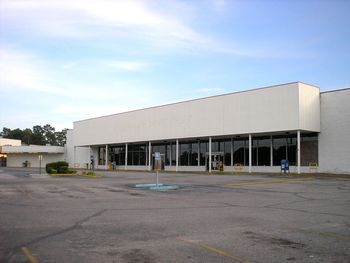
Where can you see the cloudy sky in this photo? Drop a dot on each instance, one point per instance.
(64, 60)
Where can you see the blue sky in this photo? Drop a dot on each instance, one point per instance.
(62, 61)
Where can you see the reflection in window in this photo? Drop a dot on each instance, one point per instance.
(101, 155)
(309, 149)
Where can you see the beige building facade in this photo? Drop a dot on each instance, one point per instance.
(251, 131)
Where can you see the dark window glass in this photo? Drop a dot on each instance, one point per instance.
(284, 147)
(118, 154)
(184, 151)
(308, 149)
(194, 154)
(261, 151)
(279, 149)
(168, 154)
(227, 152)
(239, 151)
(204, 148)
(101, 155)
(173, 153)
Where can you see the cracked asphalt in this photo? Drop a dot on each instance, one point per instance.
(210, 218)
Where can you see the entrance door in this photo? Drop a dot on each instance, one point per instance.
(216, 162)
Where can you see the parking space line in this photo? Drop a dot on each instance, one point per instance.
(213, 249)
(270, 182)
(336, 236)
(29, 256)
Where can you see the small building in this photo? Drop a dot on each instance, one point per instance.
(6, 142)
(32, 155)
(251, 131)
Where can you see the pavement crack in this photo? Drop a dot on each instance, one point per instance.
(56, 233)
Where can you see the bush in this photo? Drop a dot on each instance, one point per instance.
(72, 171)
(51, 170)
(57, 166)
(63, 169)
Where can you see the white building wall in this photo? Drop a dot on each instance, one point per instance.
(17, 159)
(10, 142)
(309, 105)
(334, 139)
(81, 157)
(262, 110)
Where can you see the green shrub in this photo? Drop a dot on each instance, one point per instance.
(63, 169)
(72, 171)
(51, 170)
(57, 166)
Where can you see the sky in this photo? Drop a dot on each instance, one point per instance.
(62, 61)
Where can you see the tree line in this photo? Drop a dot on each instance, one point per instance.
(39, 135)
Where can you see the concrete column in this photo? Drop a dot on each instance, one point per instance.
(231, 152)
(250, 153)
(271, 152)
(74, 156)
(209, 157)
(170, 152)
(198, 155)
(89, 159)
(298, 151)
(149, 155)
(126, 156)
(177, 155)
(106, 157)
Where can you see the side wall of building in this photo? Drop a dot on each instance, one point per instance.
(334, 139)
(81, 157)
(17, 159)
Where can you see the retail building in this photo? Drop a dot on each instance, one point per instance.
(249, 131)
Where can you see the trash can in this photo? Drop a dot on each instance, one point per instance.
(284, 166)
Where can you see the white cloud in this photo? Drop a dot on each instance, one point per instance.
(21, 70)
(77, 19)
(126, 65)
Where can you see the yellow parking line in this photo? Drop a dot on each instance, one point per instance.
(213, 249)
(340, 237)
(29, 256)
(270, 182)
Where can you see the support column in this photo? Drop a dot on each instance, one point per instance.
(91, 158)
(177, 155)
(271, 152)
(106, 157)
(250, 153)
(170, 153)
(231, 152)
(126, 156)
(74, 156)
(149, 155)
(298, 151)
(209, 157)
(198, 155)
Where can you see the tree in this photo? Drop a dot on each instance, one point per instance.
(27, 136)
(39, 135)
(5, 132)
(49, 133)
(61, 137)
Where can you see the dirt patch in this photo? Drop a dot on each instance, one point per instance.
(282, 242)
(137, 256)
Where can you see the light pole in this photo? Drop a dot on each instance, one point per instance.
(40, 158)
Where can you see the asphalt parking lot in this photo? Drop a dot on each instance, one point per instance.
(210, 218)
